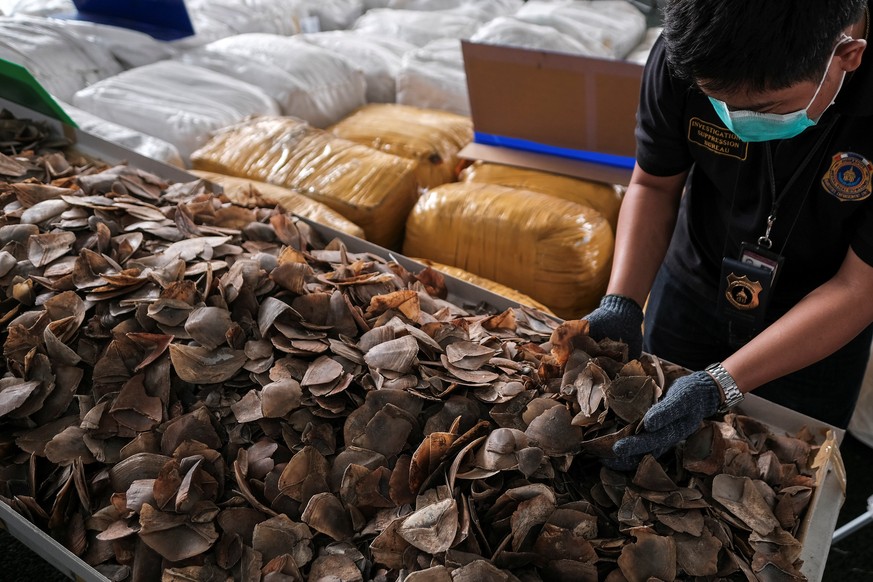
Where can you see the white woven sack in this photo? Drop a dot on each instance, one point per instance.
(143, 144)
(433, 77)
(335, 14)
(61, 61)
(38, 7)
(483, 9)
(130, 48)
(508, 31)
(416, 26)
(217, 19)
(640, 54)
(179, 103)
(378, 58)
(611, 28)
(307, 81)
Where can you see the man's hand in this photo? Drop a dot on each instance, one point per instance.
(618, 318)
(689, 400)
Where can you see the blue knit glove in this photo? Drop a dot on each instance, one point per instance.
(618, 318)
(689, 400)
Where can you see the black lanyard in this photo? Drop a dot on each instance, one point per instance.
(765, 240)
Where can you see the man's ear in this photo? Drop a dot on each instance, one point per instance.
(850, 54)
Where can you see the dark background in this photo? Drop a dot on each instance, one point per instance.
(851, 560)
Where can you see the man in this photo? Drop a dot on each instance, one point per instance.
(762, 113)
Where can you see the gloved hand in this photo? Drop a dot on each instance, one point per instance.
(688, 401)
(618, 318)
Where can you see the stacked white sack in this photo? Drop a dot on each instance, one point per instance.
(38, 7)
(174, 101)
(641, 53)
(130, 48)
(416, 26)
(59, 59)
(143, 144)
(481, 9)
(508, 31)
(609, 28)
(378, 58)
(334, 14)
(217, 19)
(306, 81)
(433, 77)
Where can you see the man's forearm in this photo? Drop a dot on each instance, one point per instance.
(645, 226)
(823, 322)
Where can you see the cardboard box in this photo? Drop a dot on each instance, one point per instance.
(557, 112)
(819, 522)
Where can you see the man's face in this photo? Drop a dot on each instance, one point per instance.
(847, 58)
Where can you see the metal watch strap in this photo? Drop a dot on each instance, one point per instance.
(732, 394)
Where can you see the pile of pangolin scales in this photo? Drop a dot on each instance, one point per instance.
(193, 390)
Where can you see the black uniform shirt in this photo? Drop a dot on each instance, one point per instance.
(728, 195)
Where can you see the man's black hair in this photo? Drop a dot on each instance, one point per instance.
(756, 45)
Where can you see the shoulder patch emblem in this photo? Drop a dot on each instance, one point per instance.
(849, 177)
(718, 140)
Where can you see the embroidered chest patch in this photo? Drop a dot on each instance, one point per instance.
(849, 177)
(718, 140)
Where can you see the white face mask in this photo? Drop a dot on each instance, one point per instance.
(752, 126)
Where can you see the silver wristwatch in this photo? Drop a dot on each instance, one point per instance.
(732, 394)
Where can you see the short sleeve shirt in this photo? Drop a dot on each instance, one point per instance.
(728, 196)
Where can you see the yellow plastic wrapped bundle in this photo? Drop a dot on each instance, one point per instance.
(252, 193)
(373, 189)
(556, 251)
(604, 198)
(486, 284)
(430, 137)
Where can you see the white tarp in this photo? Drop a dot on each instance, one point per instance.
(179, 103)
(307, 81)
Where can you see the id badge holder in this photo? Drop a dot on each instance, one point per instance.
(744, 293)
(758, 256)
